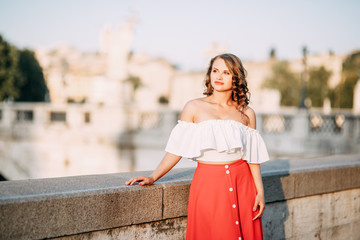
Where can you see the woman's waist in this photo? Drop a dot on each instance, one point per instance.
(218, 162)
(212, 156)
(220, 165)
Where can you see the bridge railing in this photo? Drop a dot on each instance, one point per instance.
(317, 123)
(315, 198)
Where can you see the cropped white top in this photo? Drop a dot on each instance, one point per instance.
(217, 140)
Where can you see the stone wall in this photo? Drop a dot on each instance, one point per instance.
(317, 198)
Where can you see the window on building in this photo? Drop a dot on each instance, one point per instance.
(58, 116)
(24, 116)
(87, 117)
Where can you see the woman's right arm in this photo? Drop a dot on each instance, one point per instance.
(169, 160)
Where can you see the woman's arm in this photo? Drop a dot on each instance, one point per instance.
(256, 172)
(260, 197)
(169, 160)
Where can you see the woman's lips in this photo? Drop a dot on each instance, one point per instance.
(219, 83)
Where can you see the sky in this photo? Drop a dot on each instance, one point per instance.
(182, 31)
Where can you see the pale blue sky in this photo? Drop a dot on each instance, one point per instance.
(181, 31)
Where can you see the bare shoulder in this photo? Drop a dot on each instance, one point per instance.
(190, 109)
(193, 105)
(249, 111)
(252, 116)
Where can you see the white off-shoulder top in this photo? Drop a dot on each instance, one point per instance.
(217, 140)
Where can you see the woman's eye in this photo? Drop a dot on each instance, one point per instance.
(214, 70)
(227, 73)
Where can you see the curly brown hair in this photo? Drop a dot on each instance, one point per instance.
(240, 91)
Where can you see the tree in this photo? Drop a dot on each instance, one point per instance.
(317, 88)
(163, 100)
(31, 85)
(21, 77)
(272, 54)
(8, 71)
(286, 82)
(135, 83)
(342, 96)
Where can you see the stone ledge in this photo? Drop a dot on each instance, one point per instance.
(44, 208)
(288, 179)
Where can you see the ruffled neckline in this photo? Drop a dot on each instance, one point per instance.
(189, 139)
(220, 121)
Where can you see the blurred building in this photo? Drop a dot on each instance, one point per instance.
(116, 76)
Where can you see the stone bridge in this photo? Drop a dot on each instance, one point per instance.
(313, 198)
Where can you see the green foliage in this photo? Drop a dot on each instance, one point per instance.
(8, 71)
(342, 96)
(21, 77)
(136, 83)
(286, 82)
(272, 54)
(317, 88)
(32, 85)
(163, 100)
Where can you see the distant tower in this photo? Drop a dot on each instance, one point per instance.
(215, 49)
(105, 37)
(116, 45)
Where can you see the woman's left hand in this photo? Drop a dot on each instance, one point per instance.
(259, 203)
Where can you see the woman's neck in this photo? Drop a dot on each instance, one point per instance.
(221, 98)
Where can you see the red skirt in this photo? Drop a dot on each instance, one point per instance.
(221, 200)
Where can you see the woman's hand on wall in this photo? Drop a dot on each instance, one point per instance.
(142, 180)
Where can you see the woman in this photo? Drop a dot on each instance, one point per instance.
(226, 199)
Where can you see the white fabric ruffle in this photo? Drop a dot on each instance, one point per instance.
(188, 139)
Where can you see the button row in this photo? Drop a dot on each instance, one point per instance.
(231, 189)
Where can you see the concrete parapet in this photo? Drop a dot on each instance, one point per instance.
(306, 199)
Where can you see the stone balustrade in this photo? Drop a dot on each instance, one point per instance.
(315, 198)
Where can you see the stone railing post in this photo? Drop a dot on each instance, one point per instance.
(168, 121)
(74, 116)
(348, 127)
(40, 117)
(8, 115)
(301, 125)
(355, 129)
(260, 122)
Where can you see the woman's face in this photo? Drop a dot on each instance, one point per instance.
(221, 78)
